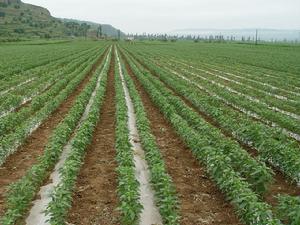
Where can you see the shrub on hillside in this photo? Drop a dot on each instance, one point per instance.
(19, 31)
(3, 5)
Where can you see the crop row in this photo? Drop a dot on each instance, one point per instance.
(10, 122)
(128, 186)
(248, 103)
(278, 83)
(285, 119)
(289, 209)
(276, 102)
(255, 62)
(10, 142)
(252, 114)
(242, 82)
(244, 78)
(62, 194)
(278, 78)
(214, 62)
(247, 203)
(255, 172)
(271, 144)
(237, 106)
(39, 83)
(161, 182)
(15, 82)
(27, 57)
(22, 192)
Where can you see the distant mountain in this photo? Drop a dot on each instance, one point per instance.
(263, 34)
(18, 19)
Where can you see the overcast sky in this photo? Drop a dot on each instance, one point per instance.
(155, 16)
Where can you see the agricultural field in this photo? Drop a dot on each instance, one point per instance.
(107, 132)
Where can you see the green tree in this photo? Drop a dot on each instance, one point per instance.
(119, 34)
(84, 29)
(99, 31)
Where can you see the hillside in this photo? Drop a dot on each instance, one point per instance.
(107, 29)
(18, 19)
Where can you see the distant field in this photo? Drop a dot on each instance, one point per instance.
(92, 132)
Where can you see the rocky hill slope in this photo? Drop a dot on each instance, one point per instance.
(18, 19)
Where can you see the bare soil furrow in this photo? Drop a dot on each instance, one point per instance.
(95, 198)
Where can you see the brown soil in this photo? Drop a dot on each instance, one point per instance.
(200, 200)
(280, 184)
(27, 154)
(26, 104)
(95, 199)
(205, 116)
(252, 150)
(21, 106)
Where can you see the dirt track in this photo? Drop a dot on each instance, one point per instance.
(95, 198)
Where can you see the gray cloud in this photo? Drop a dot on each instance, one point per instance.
(165, 15)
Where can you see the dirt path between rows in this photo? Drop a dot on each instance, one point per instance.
(95, 198)
(280, 186)
(27, 154)
(201, 203)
